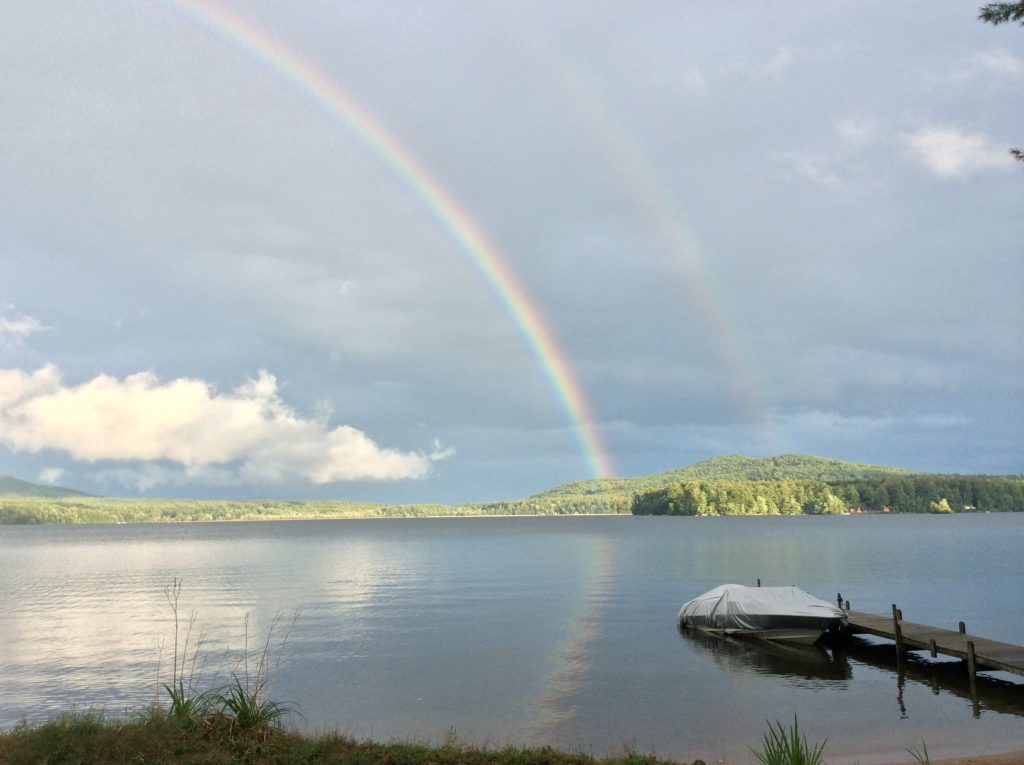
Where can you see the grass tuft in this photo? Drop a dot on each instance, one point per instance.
(922, 755)
(250, 710)
(788, 747)
(242, 706)
(187, 707)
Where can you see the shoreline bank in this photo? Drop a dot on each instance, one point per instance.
(154, 735)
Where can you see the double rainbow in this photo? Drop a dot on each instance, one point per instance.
(456, 220)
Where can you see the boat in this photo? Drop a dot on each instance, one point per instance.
(786, 614)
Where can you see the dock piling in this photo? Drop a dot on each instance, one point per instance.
(897, 616)
(972, 668)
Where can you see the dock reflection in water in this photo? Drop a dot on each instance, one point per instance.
(941, 676)
(833, 666)
(800, 666)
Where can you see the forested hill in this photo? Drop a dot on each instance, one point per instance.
(788, 467)
(14, 487)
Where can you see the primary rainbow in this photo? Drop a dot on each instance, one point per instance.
(453, 217)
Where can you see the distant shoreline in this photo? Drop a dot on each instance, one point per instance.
(789, 484)
(78, 511)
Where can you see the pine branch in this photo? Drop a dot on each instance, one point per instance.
(1001, 13)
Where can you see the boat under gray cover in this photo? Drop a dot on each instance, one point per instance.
(773, 613)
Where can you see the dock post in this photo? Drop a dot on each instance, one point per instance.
(963, 628)
(972, 668)
(932, 647)
(759, 581)
(897, 631)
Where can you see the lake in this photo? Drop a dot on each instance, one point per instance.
(524, 631)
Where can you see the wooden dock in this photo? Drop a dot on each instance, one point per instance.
(978, 653)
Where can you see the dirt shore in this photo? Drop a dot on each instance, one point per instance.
(1010, 758)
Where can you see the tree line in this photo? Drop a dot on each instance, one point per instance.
(911, 494)
(75, 510)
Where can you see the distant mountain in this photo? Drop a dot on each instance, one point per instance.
(792, 467)
(13, 487)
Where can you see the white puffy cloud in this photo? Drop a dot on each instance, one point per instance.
(185, 421)
(857, 132)
(17, 328)
(694, 80)
(841, 165)
(831, 423)
(51, 475)
(782, 60)
(146, 476)
(951, 153)
(1000, 63)
(816, 169)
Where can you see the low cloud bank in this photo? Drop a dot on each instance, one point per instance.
(247, 434)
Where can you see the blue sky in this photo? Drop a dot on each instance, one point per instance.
(748, 230)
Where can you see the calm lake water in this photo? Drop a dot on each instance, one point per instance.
(524, 630)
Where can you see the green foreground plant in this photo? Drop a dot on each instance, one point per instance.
(788, 747)
(186, 704)
(186, 707)
(244, 705)
(248, 710)
(920, 756)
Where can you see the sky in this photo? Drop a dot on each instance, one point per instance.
(458, 251)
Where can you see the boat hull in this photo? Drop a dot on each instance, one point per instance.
(794, 635)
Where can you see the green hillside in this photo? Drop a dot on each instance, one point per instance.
(791, 467)
(14, 487)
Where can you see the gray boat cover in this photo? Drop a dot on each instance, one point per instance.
(736, 607)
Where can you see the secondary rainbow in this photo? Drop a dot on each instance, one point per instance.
(329, 96)
(650, 193)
